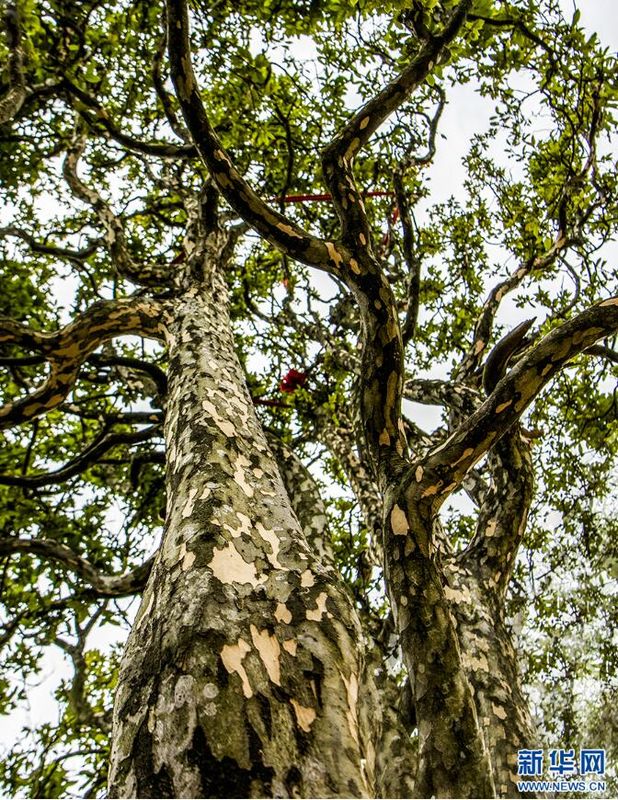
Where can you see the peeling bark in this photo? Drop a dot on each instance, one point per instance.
(241, 674)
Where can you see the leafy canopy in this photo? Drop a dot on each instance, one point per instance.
(537, 195)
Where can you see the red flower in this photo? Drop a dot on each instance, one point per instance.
(292, 381)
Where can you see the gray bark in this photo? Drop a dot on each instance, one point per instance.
(241, 674)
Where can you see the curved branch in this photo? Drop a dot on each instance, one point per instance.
(81, 462)
(502, 352)
(144, 274)
(273, 226)
(83, 100)
(443, 470)
(484, 323)
(504, 512)
(603, 352)
(75, 256)
(338, 156)
(102, 584)
(67, 349)
(157, 375)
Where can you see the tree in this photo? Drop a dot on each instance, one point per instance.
(194, 214)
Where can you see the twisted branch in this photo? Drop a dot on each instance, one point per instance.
(68, 348)
(443, 470)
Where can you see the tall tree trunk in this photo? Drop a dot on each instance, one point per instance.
(241, 674)
(490, 663)
(478, 582)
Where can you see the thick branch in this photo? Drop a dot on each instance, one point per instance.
(67, 349)
(338, 156)
(305, 498)
(270, 224)
(502, 352)
(504, 512)
(445, 467)
(103, 585)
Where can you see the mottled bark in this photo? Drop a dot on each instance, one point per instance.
(490, 663)
(453, 758)
(241, 674)
(457, 647)
(385, 717)
(478, 581)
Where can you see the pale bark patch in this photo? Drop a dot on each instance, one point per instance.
(210, 691)
(232, 656)
(272, 539)
(143, 615)
(458, 596)
(499, 711)
(320, 609)
(305, 716)
(307, 579)
(333, 254)
(268, 648)
(187, 509)
(291, 646)
(283, 614)
(399, 521)
(224, 425)
(230, 567)
(475, 663)
(240, 475)
(503, 406)
(188, 558)
(351, 685)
